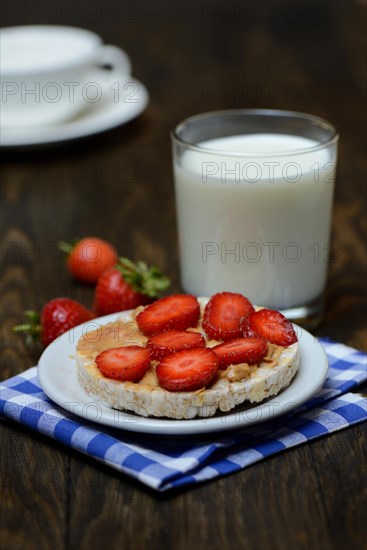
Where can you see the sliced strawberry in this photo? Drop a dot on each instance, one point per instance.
(271, 325)
(223, 314)
(241, 350)
(164, 343)
(187, 370)
(175, 312)
(127, 363)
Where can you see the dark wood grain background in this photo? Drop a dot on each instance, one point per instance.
(193, 57)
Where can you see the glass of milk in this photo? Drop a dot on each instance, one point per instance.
(254, 192)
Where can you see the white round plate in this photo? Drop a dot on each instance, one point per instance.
(116, 107)
(57, 373)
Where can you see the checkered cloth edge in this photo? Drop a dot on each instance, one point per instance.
(166, 463)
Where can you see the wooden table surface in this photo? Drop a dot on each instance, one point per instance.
(193, 57)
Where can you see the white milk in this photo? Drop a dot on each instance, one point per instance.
(256, 223)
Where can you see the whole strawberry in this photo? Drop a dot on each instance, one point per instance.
(57, 316)
(127, 286)
(89, 258)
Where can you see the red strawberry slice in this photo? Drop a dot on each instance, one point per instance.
(241, 350)
(126, 363)
(223, 314)
(187, 370)
(271, 325)
(165, 343)
(175, 312)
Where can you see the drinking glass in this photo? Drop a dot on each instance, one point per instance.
(254, 192)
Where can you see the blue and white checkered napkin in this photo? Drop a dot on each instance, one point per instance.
(165, 463)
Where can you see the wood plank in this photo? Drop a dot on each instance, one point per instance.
(34, 475)
(193, 57)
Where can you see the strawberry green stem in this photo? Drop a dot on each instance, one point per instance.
(32, 329)
(143, 279)
(65, 247)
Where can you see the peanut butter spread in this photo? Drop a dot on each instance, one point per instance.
(127, 333)
(232, 386)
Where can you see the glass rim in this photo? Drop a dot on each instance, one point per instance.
(262, 112)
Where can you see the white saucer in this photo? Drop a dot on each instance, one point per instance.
(57, 374)
(105, 114)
